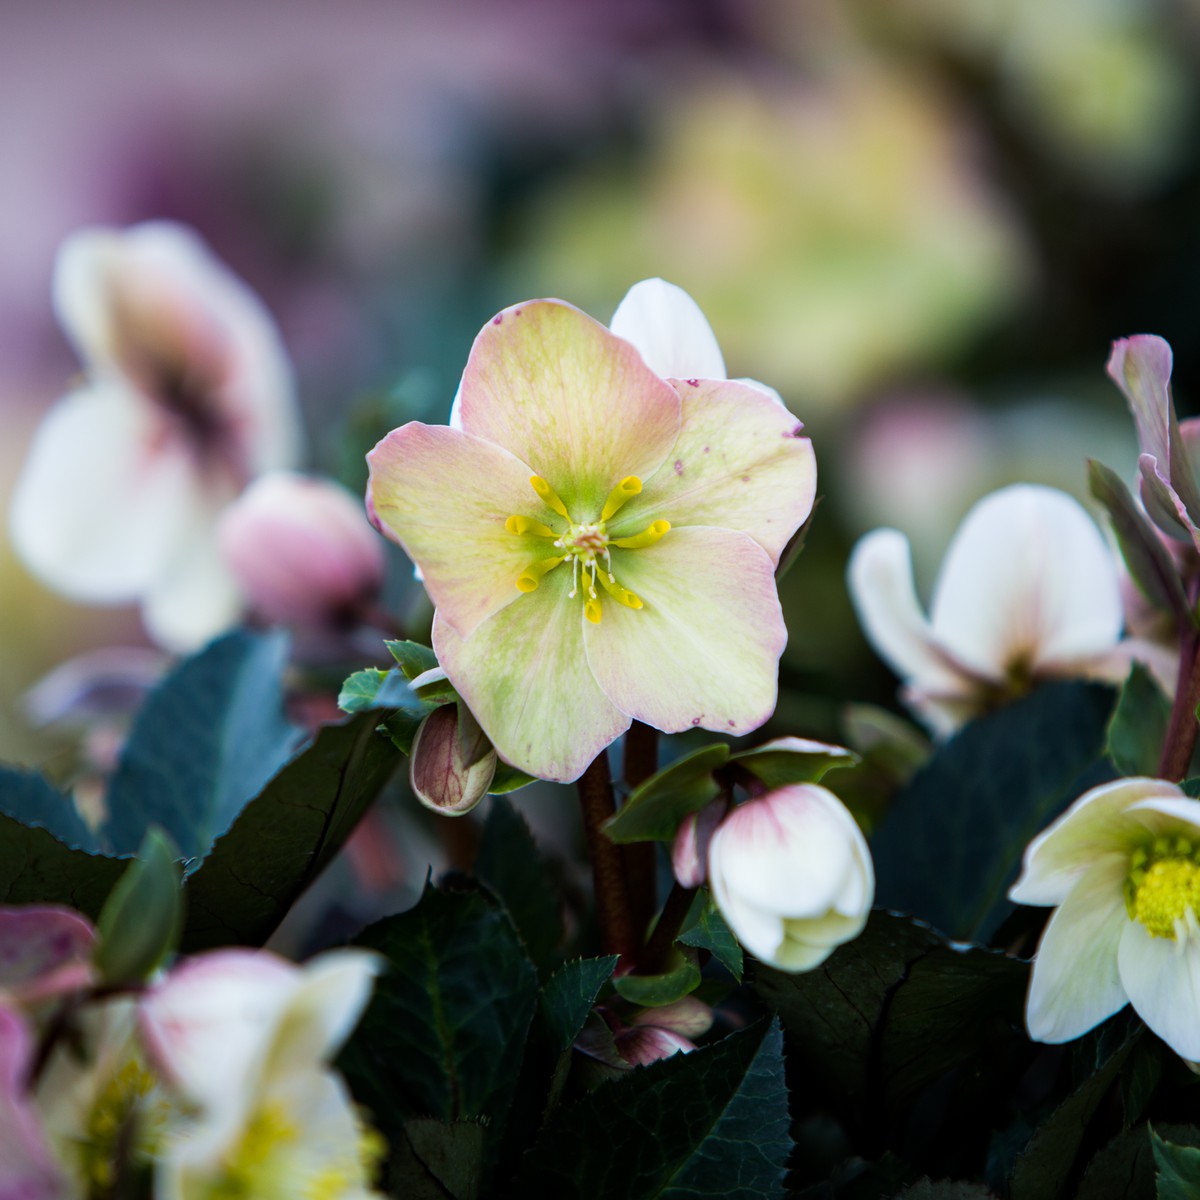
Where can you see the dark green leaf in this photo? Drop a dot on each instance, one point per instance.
(509, 779)
(1122, 1170)
(286, 836)
(444, 1034)
(511, 865)
(204, 743)
(374, 689)
(952, 840)
(654, 991)
(945, 1189)
(711, 933)
(1138, 727)
(413, 658)
(452, 1154)
(31, 800)
(712, 1123)
(401, 728)
(1177, 1169)
(656, 807)
(1139, 1079)
(569, 995)
(143, 916)
(793, 760)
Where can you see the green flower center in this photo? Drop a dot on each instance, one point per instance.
(586, 544)
(1163, 886)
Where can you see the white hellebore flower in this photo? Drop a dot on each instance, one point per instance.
(792, 876)
(1028, 590)
(245, 1038)
(1122, 867)
(186, 396)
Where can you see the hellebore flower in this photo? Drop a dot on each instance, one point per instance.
(791, 874)
(187, 396)
(599, 543)
(1122, 868)
(301, 550)
(244, 1039)
(27, 1167)
(1028, 590)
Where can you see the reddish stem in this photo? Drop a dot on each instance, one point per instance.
(1183, 728)
(675, 911)
(641, 761)
(618, 933)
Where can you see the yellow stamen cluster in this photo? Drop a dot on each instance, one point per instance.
(1163, 885)
(587, 544)
(122, 1115)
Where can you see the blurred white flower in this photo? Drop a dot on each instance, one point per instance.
(1122, 868)
(302, 550)
(27, 1167)
(245, 1039)
(186, 396)
(792, 876)
(1028, 589)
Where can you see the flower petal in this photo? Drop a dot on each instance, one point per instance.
(880, 579)
(523, 673)
(670, 330)
(96, 511)
(1162, 978)
(739, 463)
(445, 496)
(1028, 582)
(704, 650)
(1096, 826)
(1075, 982)
(27, 1170)
(564, 395)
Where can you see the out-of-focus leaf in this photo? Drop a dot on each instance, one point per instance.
(945, 1189)
(30, 800)
(656, 807)
(509, 779)
(441, 1160)
(413, 658)
(710, 932)
(1177, 1167)
(375, 689)
(445, 1032)
(1122, 1170)
(286, 836)
(710, 1123)
(1138, 727)
(511, 865)
(952, 840)
(655, 991)
(204, 743)
(791, 760)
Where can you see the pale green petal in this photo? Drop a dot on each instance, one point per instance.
(1096, 827)
(1162, 978)
(569, 398)
(704, 648)
(1075, 982)
(524, 675)
(444, 496)
(739, 463)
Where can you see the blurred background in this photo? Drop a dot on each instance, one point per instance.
(922, 221)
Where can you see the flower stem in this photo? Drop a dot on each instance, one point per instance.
(618, 933)
(1180, 741)
(641, 761)
(654, 957)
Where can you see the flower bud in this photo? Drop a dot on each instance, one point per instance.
(792, 876)
(302, 550)
(452, 763)
(689, 853)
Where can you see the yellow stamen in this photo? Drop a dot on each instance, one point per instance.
(625, 490)
(617, 592)
(527, 581)
(1163, 895)
(548, 495)
(591, 610)
(654, 532)
(519, 524)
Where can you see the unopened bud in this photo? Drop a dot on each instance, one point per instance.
(452, 763)
(302, 550)
(689, 854)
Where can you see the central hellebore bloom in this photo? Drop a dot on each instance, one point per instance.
(600, 543)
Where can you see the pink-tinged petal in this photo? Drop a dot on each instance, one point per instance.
(645, 1044)
(1164, 506)
(27, 1169)
(1162, 979)
(445, 496)
(689, 1017)
(524, 675)
(1075, 982)
(450, 773)
(1113, 666)
(96, 510)
(1027, 583)
(1097, 827)
(880, 579)
(44, 951)
(739, 463)
(704, 648)
(670, 331)
(1141, 367)
(564, 395)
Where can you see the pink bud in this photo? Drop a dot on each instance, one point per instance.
(689, 854)
(451, 763)
(45, 951)
(302, 550)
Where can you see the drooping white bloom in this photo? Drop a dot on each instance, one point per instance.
(187, 396)
(245, 1039)
(1122, 868)
(1028, 590)
(792, 876)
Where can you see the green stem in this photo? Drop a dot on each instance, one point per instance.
(618, 933)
